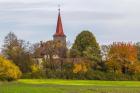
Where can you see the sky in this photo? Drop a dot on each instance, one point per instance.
(35, 20)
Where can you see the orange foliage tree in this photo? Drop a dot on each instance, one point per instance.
(122, 58)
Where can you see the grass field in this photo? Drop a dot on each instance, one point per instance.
(69, 86)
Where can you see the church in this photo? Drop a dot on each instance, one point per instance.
(59, 36)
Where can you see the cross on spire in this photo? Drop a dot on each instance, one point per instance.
(59, 8)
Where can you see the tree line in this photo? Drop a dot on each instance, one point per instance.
(85, 59)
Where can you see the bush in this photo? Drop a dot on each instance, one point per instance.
(101, 75)
(8, 70)
(37, 72)
(26, 76)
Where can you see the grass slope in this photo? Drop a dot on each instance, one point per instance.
(69, 86)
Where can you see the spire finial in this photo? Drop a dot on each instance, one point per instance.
(59, 8)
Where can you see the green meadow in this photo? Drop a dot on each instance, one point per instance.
(69, 86)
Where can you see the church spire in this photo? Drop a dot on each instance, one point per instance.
(59, 28)
(59, 34)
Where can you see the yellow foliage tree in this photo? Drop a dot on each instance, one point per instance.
(8, 70)
(80, 67)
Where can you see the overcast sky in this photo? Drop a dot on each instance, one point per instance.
(35, 20)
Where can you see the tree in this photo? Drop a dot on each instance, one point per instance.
(53, 50)
(104, 51)
(8, 70)
(86, 46)
(16, 50)
(138, 50)
(122, 57)
(80, 67)
(50, 48)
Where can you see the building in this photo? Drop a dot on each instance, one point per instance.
(60, 37)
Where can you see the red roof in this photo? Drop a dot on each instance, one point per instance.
(59, 28)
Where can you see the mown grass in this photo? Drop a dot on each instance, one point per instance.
(69, 86)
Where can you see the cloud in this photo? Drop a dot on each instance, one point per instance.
(35, 20)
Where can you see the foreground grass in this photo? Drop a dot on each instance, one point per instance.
(69, 86)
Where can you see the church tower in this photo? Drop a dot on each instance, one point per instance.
(59, 34)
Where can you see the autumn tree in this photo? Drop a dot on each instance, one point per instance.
(8, 70)
(80, 67)
(122, 58)
(50, 51)
(16, 50)
(53, 50)
(35, 50)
